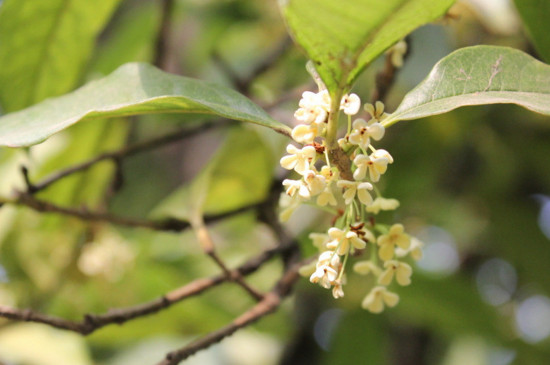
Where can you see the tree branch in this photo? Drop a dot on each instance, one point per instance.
(163, 38)
(93, 322)
(173, 225)
(121, 154)
(267, 305)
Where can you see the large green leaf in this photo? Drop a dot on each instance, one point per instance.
(535, 14)
(44, 45)
(342, 37)
(134, 88)
(478, 75)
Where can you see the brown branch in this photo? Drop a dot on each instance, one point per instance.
(120, 154)
(175, 225)
(386, 77)
(162, 43)
(267, 305)
(208, 247)
(93, 322)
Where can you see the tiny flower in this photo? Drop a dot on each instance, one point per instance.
(415, 249)
(314, 108)
(358, 188)
(337, 290)
(296, 186)
(382, 204)
(342, 241)
(329, 258)
(401, 270)
(363, 131)
(387, 242)
(378, 296)
(376, 111)
(319, 240)
(315, 183)
(375, 164)
(329, 174)
(366, 267)
(304, 133)
(328, 266)
(324, 275)
(350, 104)
(299, 159)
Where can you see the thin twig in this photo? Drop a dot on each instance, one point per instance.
(122, 153)
(267, 305)
(386, 77)
(172, 224)
(207, 245)
(93, 322)
(162, 43)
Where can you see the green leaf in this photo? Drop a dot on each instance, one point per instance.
(342, 37)
(535, 14)
(44, 46)
(132, 89)
(475, 76)
(238, 175)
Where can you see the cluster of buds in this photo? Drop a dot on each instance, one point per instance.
(379, 250)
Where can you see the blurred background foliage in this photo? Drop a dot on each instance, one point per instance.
(474, 185)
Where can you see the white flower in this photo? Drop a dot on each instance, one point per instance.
(304, 133)
(328, 267)
(299, 159)
(324, 275)
(366, 267)
(387, 242)
(401, 270)
(350, 104)
(382, 204)
(376, 164)
(342, 241)
(358, 188)
(363, 131)
(296, 186)
(315, 183)
(314, 108)
(377, 297)
(337, 290)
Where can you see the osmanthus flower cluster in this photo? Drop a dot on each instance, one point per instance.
(379, 250)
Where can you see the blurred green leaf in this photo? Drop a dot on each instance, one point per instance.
(478, 75)
(134, 88)
(343, 37)
(239, 174)
(45, 44)
(535, 14)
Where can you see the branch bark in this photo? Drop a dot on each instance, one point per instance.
(267, 305)
(93, 322)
